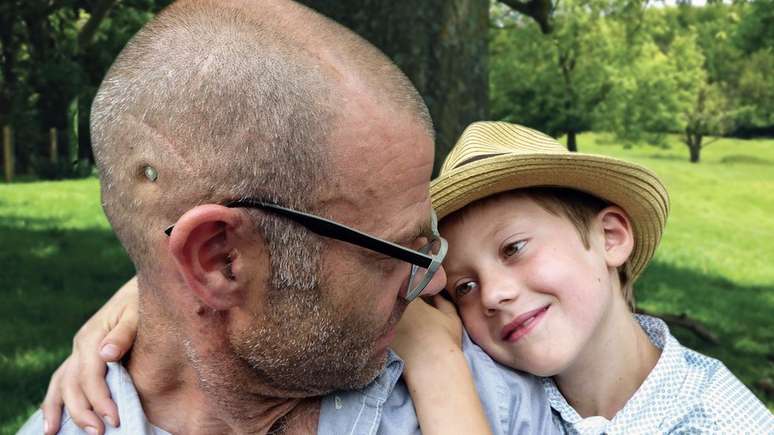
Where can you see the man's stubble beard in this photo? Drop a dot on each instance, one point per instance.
(307, 344)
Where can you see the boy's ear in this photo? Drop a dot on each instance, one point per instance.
(618, 235)
(204, 245)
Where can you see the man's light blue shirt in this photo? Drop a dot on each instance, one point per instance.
(515, 403)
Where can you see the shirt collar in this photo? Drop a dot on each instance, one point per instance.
(381, 387)
(360, 411)
(659, 386)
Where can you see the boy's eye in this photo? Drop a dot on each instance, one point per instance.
(514, 248)
(465, 288)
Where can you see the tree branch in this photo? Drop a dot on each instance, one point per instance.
(538, 10)
(686, 322)
(711, 141)
(90, 28)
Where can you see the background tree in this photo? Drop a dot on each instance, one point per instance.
(700, 42)
(441, 45)
(636, 71)
(562, 67)
(558, 81)
(754, 38)
(56, 52)
(709, 115)
(51, 68)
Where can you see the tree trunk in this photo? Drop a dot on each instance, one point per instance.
(8, 157)
(8, 49)
(572, 143)
(441, 45)
(693, 140)
(695, 149)
(571, 123)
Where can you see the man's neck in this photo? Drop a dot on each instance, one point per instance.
(611, 369)
(179, 399)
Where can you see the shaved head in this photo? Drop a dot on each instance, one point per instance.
(224, 100)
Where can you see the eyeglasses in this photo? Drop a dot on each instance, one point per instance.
(424, 262)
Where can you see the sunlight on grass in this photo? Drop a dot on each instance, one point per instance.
(33, 359)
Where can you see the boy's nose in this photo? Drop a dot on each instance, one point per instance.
(497, 293)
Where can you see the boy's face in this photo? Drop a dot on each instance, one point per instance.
(527, 289)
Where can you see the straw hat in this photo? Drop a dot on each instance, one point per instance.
(494, 157)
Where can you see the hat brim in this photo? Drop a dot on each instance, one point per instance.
(632, 187)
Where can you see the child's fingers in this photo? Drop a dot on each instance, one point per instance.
(121, 338)
(52, 405)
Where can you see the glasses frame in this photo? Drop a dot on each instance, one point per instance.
(334, 230)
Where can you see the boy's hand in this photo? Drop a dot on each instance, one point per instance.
(426, 332)
(79, 383)
(429, 340)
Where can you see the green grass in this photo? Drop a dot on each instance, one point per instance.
(60, 261)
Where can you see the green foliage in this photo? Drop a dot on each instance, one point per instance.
(756, 28)
(553, 82)
(638, 72)
(608, 65)
(755, 90)
(524, 77)
(45, 68)
(738, 66)
(652, 92)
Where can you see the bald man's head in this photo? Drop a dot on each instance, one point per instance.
(230, 99)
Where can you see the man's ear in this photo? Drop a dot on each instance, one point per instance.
(204, 246)
(618, 235)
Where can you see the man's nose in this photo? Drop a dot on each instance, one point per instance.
(436, 284)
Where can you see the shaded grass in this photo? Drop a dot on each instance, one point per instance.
(60, 263)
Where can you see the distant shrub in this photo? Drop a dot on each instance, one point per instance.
(738, 158)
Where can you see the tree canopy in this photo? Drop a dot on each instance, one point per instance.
(635, 68)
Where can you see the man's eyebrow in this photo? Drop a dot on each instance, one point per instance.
(424, 230)
(404, 240)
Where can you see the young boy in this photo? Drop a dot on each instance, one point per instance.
(544, 246)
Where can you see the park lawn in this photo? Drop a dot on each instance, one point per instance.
(60, 262)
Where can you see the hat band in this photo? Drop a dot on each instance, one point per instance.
(476, 158)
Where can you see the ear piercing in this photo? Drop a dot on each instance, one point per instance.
(151, 173)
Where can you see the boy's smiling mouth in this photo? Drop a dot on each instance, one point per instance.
(523, 324)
